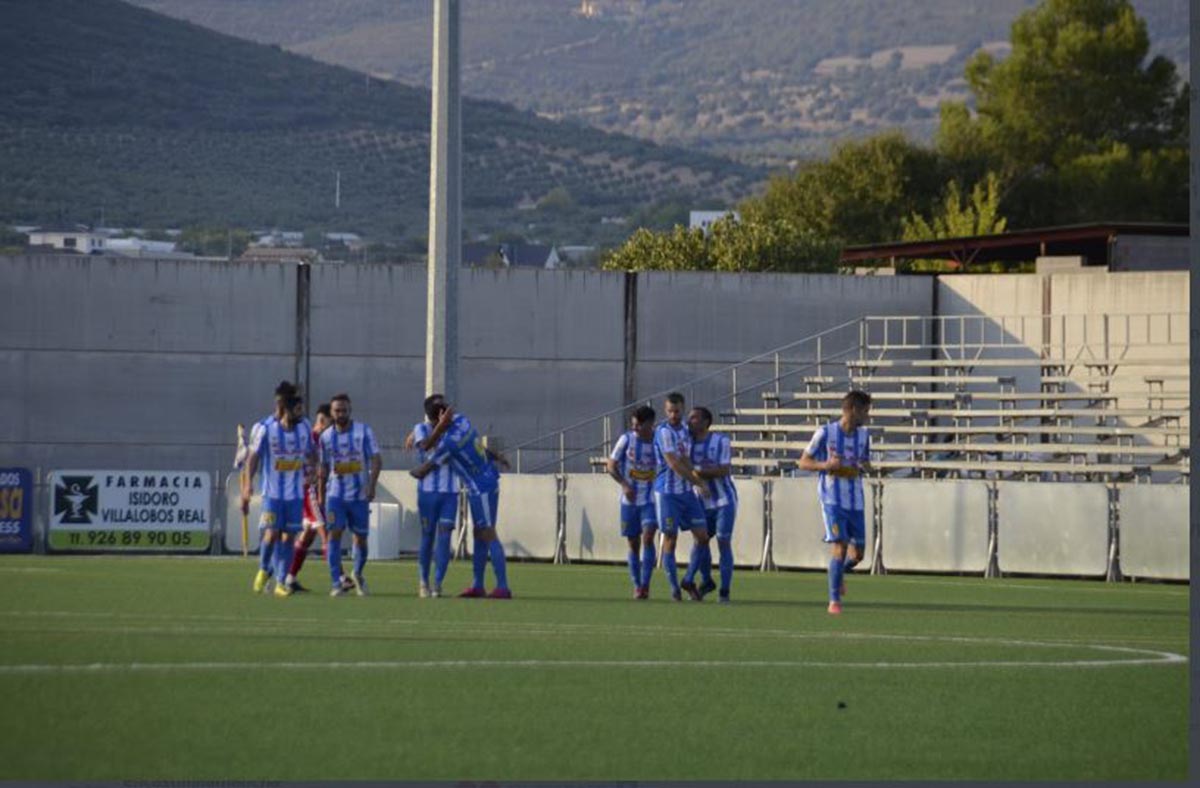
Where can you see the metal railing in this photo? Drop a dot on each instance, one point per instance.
(1077, 336)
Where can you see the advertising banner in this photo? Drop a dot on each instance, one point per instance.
(16, 510)
(163, 511)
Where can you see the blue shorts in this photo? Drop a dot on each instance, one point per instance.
(281, 515)
(636, 517)
(721, 520)
(845, 525)
(437, 509)
(679, 511)
(340, 515)
(483, 508)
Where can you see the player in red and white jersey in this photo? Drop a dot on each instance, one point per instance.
(314, 521)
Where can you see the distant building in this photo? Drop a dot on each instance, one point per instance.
(574, 255)
(140, 247)
(269, 254)
(291, 239)
(70, 238)
(514, 255)
(352, 241)
(703, 220)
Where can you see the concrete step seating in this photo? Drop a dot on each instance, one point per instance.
(998, 447)
(999, 430)
(918, 414)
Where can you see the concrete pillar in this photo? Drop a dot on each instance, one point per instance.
(445, 205)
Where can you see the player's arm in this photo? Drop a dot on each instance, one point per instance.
(253, 460)
(681, 465)
(439, 429)
(808, 460)
(723, 466)
(864, 466)
(376, 464)
(611, 465)
(498, 458)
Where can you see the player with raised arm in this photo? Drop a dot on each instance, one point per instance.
(675, 503)
(712, 457)
(349, 471)
(632, 465)
(455, 441)
(841, 451)
(282, 447)
(437, 502)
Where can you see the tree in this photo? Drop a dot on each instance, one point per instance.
(1077, 85)
(858, 196)
(980, 215)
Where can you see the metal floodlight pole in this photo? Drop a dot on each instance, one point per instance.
(445, 205)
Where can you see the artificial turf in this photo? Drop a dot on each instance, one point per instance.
(181, 672)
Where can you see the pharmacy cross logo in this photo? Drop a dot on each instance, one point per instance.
(76, 499)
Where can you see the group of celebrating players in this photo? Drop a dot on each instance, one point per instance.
(676, 475)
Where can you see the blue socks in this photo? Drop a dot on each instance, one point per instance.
(706, 561)
(283, 558)
(333, 547)
(479, 561)
(425, 554)
(835, 579)
(649, 558)
(694, 559)
(266, 556)
(360, 557)
(672, 571)
(441, 555)
(726, 565)
(499, 562)
(635, 568)
(849, 564)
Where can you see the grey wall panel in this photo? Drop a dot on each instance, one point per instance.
(593, 519)
(106, 303)
(935, 526)
(386, 393)
(1153, 532)
(764, 310)
(798, 528)
(233, 518)
(533, 314)
(748, 528)
(1053, 528)
(528, 516)
(368, 310)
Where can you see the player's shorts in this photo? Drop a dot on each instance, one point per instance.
(341, 515)
(281, 515)
(636, 517)
(484, 507)
(720, 521)
(437, 509)
(676, 511)
(845, 525)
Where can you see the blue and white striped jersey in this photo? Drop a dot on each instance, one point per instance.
(282, 455)
(637, 464)
(346, 457)
(441, 479)
(671, 440)
(714, 451)
(462, 448)
(854, 449)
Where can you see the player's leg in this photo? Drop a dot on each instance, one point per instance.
(299, 554)
(649, 557)
(668, 523)
(699, 543)
(293, 523)
(707, 585)
(835, 536)
(631, 529)
(856, 537)
(267, 525)
(445, 515)
(335, 524)
(480, 548)
(426, 506)
(358, 522)
(726, 516)
(499, 560)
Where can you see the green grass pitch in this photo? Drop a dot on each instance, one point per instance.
(190, 675)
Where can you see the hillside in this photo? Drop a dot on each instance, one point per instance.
(109, 110)
(765, 80)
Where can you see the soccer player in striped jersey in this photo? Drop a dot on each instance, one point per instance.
(314, 521)
(632, 465)
(437, 502)
(454, 441)
(841, 452)
(712, 457)
(675, 503)
(283, 448)
(349, 470)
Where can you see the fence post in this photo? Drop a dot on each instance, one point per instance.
(733, 394)
(562, 452)
(777, 388)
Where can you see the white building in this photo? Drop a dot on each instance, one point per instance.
(69, 239)
(703, 220)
